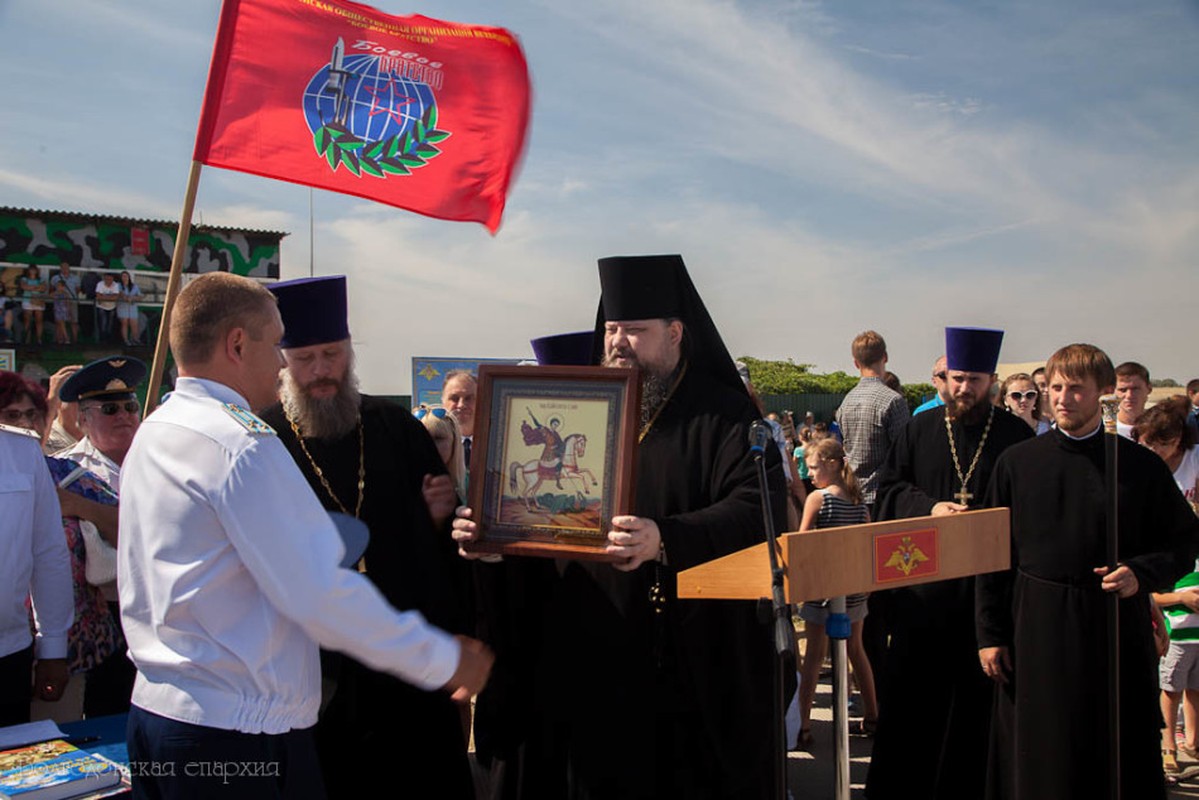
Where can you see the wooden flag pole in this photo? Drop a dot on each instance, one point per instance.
(164, 328)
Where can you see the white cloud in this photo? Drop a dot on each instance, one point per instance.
(78, 195)
(248, 216)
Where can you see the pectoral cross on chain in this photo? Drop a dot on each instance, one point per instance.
(963, 495)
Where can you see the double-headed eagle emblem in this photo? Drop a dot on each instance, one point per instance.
(906, 557)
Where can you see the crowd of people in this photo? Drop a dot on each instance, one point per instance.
(113, 299)
(187, 568)
(952, 690)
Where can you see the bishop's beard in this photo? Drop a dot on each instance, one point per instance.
(655, 383)
(322, 417)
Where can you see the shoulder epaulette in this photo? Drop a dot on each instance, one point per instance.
(19, 431)
(248, 420)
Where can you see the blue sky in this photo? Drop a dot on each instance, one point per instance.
(823, 168)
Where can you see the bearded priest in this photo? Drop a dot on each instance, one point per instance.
(370, 458)
(935, 702)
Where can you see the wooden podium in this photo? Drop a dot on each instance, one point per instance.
(860, 558)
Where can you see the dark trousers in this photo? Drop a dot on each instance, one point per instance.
(104, 324)
(16, 678)
(172, 760)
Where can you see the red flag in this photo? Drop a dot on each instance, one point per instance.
(426, 115)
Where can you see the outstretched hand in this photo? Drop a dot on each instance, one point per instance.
(474, 667)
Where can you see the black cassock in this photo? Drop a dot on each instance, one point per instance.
(934, 699)
(629, 703)
(375, 721)
(1050, 728)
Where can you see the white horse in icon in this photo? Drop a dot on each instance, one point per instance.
(525, 479)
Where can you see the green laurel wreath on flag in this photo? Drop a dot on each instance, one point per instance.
(394, 155)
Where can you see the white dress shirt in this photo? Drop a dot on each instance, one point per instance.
(229, 577)
(84, 453)
(33, 551)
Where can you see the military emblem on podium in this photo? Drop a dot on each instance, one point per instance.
(906, 554)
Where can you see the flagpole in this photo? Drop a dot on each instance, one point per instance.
(1110, 406)
(168, 304)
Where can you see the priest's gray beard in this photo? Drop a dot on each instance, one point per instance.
(322, 417)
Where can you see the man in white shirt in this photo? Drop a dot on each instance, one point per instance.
(33, 561)
(229, 575)
(1132, 389)
(107, 292)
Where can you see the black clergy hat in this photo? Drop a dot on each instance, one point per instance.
(564, 349)
(972, 349)
(658, 287)
(314, 310)
(106, 378)
(643, 287)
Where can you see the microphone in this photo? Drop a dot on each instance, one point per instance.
(760, 435)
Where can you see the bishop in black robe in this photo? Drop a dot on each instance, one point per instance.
(376, 721)
(1050, 737)
(934, 699)
(644, 701)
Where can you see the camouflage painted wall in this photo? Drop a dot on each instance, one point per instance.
(85, 242)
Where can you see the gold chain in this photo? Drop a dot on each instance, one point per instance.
(645, 428)
(963, 495)
(321, 475)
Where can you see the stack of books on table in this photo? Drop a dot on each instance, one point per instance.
(56, 770)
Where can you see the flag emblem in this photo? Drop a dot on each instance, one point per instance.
(369, 113)
(340, 96)
(908, 554)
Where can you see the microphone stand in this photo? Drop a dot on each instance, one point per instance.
(837, 628)
(784, 632)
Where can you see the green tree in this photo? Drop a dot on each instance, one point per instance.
(787, 377)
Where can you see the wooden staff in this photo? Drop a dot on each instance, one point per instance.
(1111, 439)
(168, 304)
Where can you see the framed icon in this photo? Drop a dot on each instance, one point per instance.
(553, 459)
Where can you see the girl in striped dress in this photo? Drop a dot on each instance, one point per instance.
(836, 501)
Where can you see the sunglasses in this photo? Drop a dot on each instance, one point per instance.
(15, 416)
(112, 408)
(1016, 397)
(421, 413)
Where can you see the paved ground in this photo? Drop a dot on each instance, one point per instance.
(811, 775)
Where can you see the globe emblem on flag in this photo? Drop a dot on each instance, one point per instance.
(369, 117)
